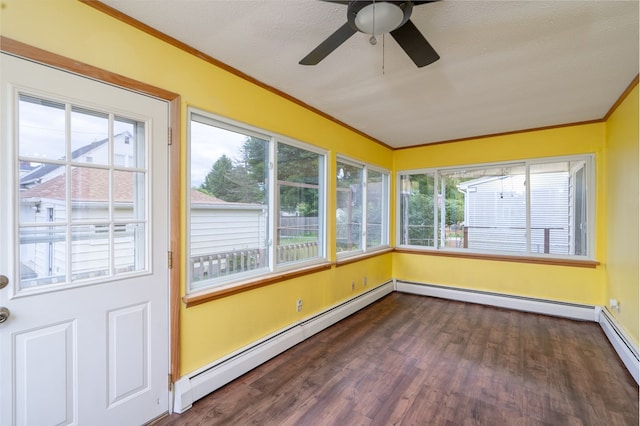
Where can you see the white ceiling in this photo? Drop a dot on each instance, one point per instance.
(505, 65)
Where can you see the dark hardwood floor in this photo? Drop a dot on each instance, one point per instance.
(417, 360)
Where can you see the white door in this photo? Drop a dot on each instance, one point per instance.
(83, 246)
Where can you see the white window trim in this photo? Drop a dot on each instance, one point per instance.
(211, 119)
(589, 159)
(366, 167)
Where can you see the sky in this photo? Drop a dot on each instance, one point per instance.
(208, 144)
(42, 136)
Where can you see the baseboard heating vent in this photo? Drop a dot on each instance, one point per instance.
(201, 382)
(527, 304)
(622, 343)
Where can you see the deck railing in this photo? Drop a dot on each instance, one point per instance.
(215, 265)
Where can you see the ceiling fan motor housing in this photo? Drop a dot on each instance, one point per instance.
(378, 17)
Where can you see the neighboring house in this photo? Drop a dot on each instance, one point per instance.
(42, 200)
(94, 153)
(225, 237)
(495, 213)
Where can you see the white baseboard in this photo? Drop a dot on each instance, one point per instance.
(199, 383)
(539, 306)
(622, 344)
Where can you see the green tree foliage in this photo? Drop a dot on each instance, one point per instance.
(218, 181)
(241, 181)
(298, 166)
(418, 208)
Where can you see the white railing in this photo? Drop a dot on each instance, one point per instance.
(215, 265)
(208, 266)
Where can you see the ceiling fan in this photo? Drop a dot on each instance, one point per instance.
(379, 17)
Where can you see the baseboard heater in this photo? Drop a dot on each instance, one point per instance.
(201, 382)
(519, 303)
(621, 342)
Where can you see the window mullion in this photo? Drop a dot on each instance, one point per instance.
(274, 204)
(111, 213)
(436, 228)
(363, 237)
(68, 195)
(442, 218)
(527, 189)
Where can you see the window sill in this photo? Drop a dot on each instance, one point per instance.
(207, 295)
(352, 259)
(579, 263)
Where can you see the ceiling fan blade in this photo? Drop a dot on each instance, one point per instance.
(419, 2)
(415, 45)
(329, 45)
(337, 1)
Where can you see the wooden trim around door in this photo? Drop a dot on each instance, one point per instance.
(36, 54)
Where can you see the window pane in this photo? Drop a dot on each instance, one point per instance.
(128, 143)
(558, 208)
(89, 136)
(42, 192)
(229, 203)
(377, 208)
(494, 207)
(451, 214)
(349, 207)
(43, 256)
(298, 196)
(89, 251)
(128, 195)
(129, 247)
(89, 193)
(417, 210)
(41, 128)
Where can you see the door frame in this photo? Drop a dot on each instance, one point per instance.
(54, 60)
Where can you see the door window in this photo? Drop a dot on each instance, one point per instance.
(82, 183)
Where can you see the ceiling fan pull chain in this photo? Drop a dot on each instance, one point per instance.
(382, 54)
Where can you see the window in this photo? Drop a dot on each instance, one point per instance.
(362, 207)
(82, 215)
(536, 207)
(256, 202)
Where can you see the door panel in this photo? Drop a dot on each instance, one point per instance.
(84, 234)
(45, 390)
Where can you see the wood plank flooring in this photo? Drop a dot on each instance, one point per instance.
(416, 360)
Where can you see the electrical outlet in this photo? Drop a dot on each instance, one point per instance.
(364, 281)
(353, 285)
(614, 304)
(299, 305)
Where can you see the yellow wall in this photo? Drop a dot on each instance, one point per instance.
(622, 272)
(214, 329)
(560, 283)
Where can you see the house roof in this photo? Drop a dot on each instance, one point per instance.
(199, 197)
(48, 168)
(91, 184)
(87, 184)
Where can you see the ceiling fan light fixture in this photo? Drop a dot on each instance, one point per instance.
(381, 17)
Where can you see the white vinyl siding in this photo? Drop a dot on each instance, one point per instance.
(226, 229)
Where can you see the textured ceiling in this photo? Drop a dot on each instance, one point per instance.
(505, 65)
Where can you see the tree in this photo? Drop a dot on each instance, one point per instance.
(298, 166)
(218, 181)
(241, 181)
